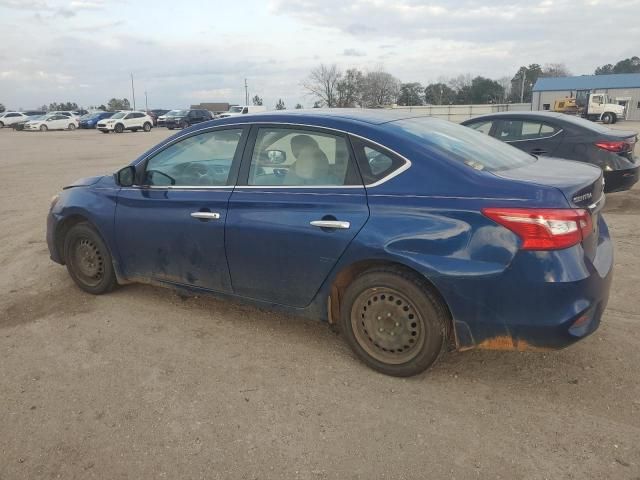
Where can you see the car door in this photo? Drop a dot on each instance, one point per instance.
(58, 122)
(534, 136)
(297, 206)
(170, 225)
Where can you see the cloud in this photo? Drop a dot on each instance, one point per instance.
(352, 52)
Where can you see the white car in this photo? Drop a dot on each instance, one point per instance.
(9, 118)
(66, 113)
(52, 122)
(236, 110)
(121, 121)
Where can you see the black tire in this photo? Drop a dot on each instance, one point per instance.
(170, 128)
(607, 118)
(88, 259)
(393, 321)
(1, 125)
(119, 128)
(134, 130)
(147, 127)
(104, 131)
(185, 125)
(71, 127)
(43, 128)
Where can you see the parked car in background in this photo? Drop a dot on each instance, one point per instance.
(414, 235)
(186, 118)
(52, 122)
(162, 118)
(66, 113)
(121, 121)
(91, 120)
(155, 113)
(564, 136)
(31, 115)
(9, 118)
(242, 110)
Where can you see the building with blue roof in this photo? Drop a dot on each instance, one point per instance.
(622, 88)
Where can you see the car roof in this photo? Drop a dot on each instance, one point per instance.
(369, 116)
(521, 113)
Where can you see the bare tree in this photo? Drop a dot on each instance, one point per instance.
(322, 83)
(555, 70)
(349, 89)
(380, 88)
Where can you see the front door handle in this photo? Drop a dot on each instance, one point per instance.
(206, 215)
(538, 151)
(330, 224)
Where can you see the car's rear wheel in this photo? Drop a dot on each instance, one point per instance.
(1, 125)
(185, 125)
(607, 118)
(43, 128)
(88, 259)
(119, 128)
(72, 126)
(147, 127)
(393, 321)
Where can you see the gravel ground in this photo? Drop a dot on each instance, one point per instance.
(142, 384)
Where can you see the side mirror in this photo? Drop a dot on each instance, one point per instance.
(125, 177)
(275, 157)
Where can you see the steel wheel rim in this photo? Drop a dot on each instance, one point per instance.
(387, 325)
(88, 261)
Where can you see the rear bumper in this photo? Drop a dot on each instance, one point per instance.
(620, 180)
(542, 301)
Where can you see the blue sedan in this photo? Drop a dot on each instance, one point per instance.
(412, 235)
(90, 120)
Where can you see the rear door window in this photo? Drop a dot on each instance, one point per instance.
(375, 162)
(511, 130)
(482, 127)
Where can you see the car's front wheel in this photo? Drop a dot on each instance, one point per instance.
(72, 126)
(119, 128)
(393, 321)
(43, 128)
(88, 259)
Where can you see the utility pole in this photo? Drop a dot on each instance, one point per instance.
(246, 92)
(524, 75)
(133, 92)
(146, 102)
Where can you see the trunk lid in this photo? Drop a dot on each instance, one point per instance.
(581, 184)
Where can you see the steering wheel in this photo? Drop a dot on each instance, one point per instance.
(198, 173)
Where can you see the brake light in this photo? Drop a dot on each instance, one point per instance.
(544, 228)
(613, 146)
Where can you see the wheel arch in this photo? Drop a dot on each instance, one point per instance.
(347, 274)
(63, 228)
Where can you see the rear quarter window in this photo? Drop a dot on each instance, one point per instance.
(462, 144)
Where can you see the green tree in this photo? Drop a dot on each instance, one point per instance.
(523, 81)
(118, 104)
(485, 90)
(317, 104)
(280, 105)
(2, 109)
(257, 100)
(628, 65)
(349, 89)
(555, 70)
(63, 106)
(439, 94)
(411, 94)
(298, 106)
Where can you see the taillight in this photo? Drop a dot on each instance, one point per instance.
(613, 146)
(544, 228)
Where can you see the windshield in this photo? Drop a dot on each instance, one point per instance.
(177, 113)
(581, 122)
(472, 148)
(37, 117)
(171, 112)
(119, 115)
(235, 109)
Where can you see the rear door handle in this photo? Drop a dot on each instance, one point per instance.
(206, 215)
(330, 224)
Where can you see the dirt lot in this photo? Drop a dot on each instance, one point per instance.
(143, 384)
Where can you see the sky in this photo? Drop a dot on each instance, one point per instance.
(191, 51)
